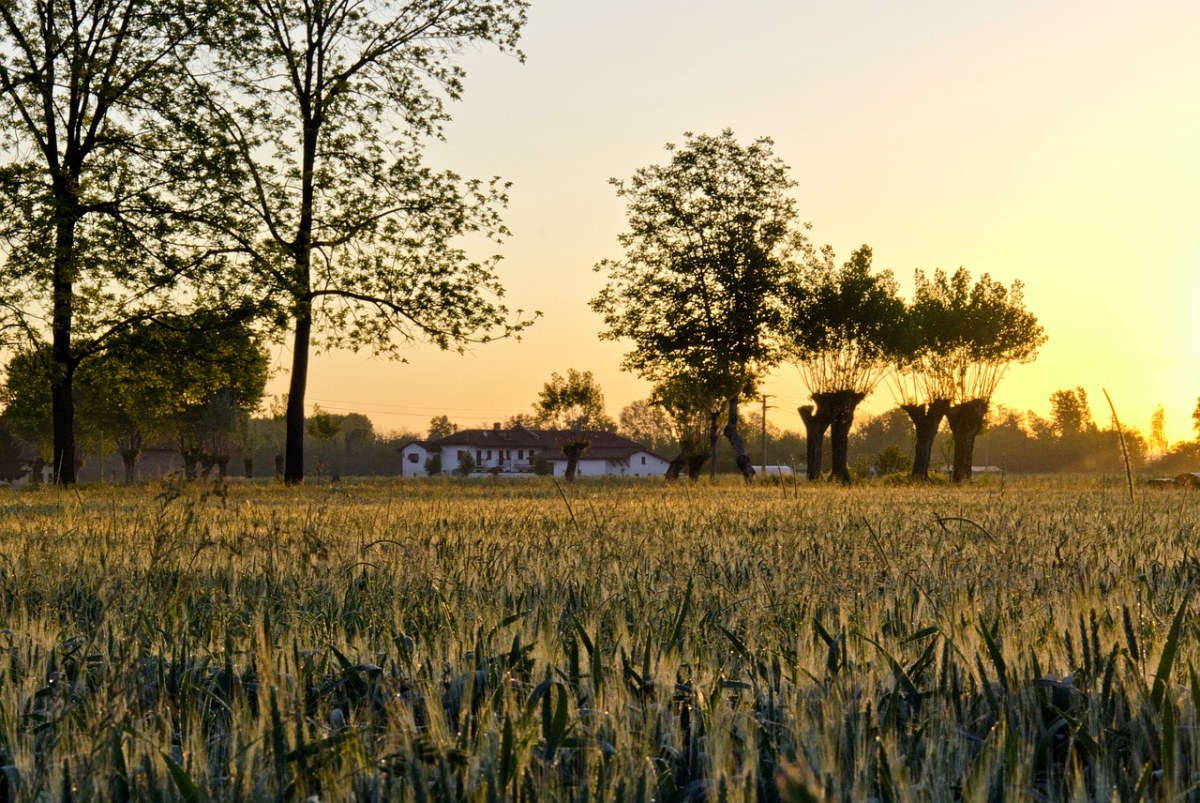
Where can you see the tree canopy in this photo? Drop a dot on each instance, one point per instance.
(844, 331)
(712, 244)
(98, 197)
(324, 109)
(574, 401)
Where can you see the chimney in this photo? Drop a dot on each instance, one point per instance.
(496, 426)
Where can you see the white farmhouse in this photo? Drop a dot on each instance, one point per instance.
(514, 451)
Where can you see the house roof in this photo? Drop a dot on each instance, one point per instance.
(604, 445)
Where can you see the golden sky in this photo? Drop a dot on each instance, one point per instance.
(1053, 142)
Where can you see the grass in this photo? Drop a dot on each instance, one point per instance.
(453, 640)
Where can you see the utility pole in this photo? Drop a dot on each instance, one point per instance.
(763, 441)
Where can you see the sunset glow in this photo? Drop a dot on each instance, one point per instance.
(1055, 143)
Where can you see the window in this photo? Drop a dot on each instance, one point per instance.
(413, 457)
(478, 456)
(643, 460)
(489, 457)
(520, 454)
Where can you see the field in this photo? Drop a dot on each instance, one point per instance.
(476, 640)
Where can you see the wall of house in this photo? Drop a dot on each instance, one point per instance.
(652, 467)
(412, 460)
(646, 465)
(506, 458)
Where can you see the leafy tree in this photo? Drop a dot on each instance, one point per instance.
(694, 412)
(1158, 431)
(322, 426)
(844, 332)
(12, 466)
(325, 110)
(970, 334)
(924, 379)
(466, 463)
(709, 252)
(1196, 419)
(1070, 413)
(441, 426)
(574, 401)
(218, 372)
(643, 421)
(98, 196)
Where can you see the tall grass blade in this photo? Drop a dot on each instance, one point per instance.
(1163, 674)
(1124, 448)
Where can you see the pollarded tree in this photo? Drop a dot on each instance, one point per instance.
(984, 328)
(844, 332)
(97, 194)
(325, 108)
(574, 402)
(923, 379)
(709, 252)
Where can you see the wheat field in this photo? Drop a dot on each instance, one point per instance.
(441, 640)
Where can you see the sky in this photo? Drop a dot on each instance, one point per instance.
(1053, 142)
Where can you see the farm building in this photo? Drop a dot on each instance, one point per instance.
(514, 451)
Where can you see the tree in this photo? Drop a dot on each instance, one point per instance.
(709, 253)
(323, 426)
(572, 402)
(646, 422)
(694, 414)
(923, 378)
(325, 109)
(844, 332)
(12, 467)
(973, 333)
(98, 196)
(1196, 419)
(190, 378)
(1070, 414)
(441, 426)
(1158, 431)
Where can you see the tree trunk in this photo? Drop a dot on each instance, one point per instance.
(191, 459)
(840, 405)
(714, 437)
(248, 467)
(695, 466)
(278, 466)
(927, 419)
(816, 422)
(573, 450)
(735, 440)
(62, 315)
(966, 422)
(675, 467)
(301, 248)
(130, 457)
(293, 461)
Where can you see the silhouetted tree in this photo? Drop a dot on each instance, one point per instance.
(574, 402)
(709, 252)
(324, 110)
(976, 331)
(844, 332)
(440, 426)
(98, 191)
